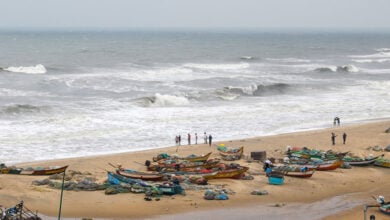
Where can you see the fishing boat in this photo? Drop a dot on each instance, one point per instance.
(385, 208)
(329, 166)
(191, 158)
(230, 153)
(164, 188)
(306, 174)
(233, 173)
(382, 162)
(358, 161)
(32, 171)
(18, 212)
(173, 165)
(147, 176)
(116, 179)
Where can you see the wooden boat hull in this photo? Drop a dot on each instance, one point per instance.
(382, 163)
(230, 173)
(152, 176)
(182, 166)
(117, 179)
(364, 162)
(189, 158)
(232, 155)
(329, 166)
(306, 174)
(39, 172)
(385, 209)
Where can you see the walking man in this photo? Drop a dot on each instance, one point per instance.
(189, 139)
(205, 138)
(196, 138)
(333, 138)
(179, 139)
(344, 137)
(210, 139)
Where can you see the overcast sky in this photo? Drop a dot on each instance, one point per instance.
(195, 14)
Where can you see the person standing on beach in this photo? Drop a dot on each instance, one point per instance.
(189, 139)
(205, 138)
(344, 137)
(179, 139)
(196, 138)
(338, 121)
(210, 139)
(333, 138)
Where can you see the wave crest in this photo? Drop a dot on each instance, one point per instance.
(38, 69)
(344, 68)
(159, 100)
(17, 109)
(258, 90)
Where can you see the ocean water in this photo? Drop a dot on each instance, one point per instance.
(70, 94)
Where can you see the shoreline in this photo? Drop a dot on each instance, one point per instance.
(362, 182)
(358, 122)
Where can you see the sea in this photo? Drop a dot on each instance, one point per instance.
(66, 94)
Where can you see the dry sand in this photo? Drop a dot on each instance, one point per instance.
(338, 194)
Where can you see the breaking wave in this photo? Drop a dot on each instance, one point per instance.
(247, 58)
(228, 66)
(257, 90)
(38, 69)
(159, 100)
(17, 109)
(345, 68)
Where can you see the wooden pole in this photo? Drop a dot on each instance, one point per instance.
(62, 192)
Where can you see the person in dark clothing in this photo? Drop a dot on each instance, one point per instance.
(333, 138)
(210, 139)
(344, 137)
(179, 140)
(189, 139)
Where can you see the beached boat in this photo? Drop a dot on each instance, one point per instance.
(148, 176)
(117, 179)
(32, 171)
(329, 166)
(192, 157)
(164, 188)
(18, 212)
(173, 165)
(299, 174)
(306, 153)
(385, 208)
(358, 161)
(382, 162)
(233, 173)
(230, 153)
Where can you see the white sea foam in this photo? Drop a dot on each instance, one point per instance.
(225, 66)
(348, 68)
(381, 54)
(290, 60)
(168, 100)
(38, 69)
(371, 60)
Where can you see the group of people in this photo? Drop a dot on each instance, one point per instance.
(333, 138)
(207, 139)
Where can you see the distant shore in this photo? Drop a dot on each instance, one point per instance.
(341, 192)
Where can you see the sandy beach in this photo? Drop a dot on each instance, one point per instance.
(338, 194)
